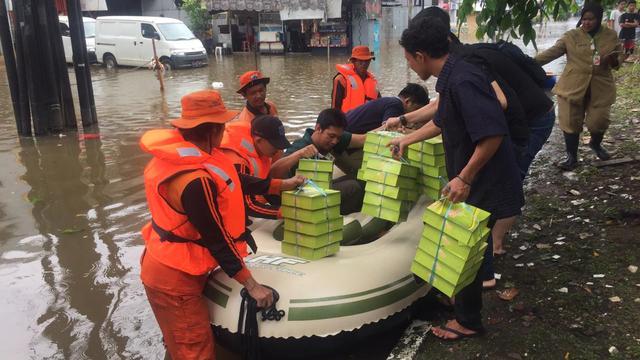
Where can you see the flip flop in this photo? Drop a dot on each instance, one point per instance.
(460, 335)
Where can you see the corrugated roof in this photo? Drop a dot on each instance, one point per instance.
(266, 5)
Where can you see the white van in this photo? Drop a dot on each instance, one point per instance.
(126, 40)
(89, 34)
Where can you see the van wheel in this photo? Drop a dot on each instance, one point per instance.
(110, 61)
(166, 62)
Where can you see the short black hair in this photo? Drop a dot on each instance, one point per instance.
(427, 34)
(331, 117)
(432, 12)
(622, 1)
(416, 93)
(631, 2)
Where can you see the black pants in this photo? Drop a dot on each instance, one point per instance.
(468, 302)
(351, 194)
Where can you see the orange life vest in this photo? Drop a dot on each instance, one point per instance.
(237, 137)
(247, 116)
(170, 238)
(357, 91)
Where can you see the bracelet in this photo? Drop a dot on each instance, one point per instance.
(463, 180)
(403, 120)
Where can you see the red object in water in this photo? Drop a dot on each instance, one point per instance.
(88, 136)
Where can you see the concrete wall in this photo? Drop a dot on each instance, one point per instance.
(166, 8)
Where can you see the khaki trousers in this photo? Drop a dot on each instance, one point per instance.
(573, 115)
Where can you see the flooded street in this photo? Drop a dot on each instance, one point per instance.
(71, 210)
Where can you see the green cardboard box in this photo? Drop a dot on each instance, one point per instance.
(391, 166)
(393, 192)
(438, 282)
(390, 179)
(426, 159)
(432, 182)
(323, 184)
(433, 146)
(386, 202)
(312, 241)
(316, 175)
(381, 137)
(434, 171)
(465, 215)
(311, 216)
(449, 259)
(383, 213)
(313, 229)
(361, 172)
(432, 235)
(432, 194)
(378, 150)
(310, 198)
(445, 272)
(316, 165)
(308, 253)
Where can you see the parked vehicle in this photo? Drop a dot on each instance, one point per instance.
(89, 34)
(127, 40)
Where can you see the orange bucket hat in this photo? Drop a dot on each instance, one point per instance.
(362, 52)
(251, 78)
(201, 107)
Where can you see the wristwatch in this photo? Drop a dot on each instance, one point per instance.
(403, 120)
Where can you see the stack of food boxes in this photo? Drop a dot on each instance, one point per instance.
(319, 171)
(452, 246)
(312, 222)
(391, 188)
(428, 155)
(376, 145)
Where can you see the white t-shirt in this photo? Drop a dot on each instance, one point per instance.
(615, 16)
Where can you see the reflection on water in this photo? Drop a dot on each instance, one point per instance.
(71, 209)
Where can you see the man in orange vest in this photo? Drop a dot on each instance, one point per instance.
(253, 87)
(267, 139)
(354, 85)
(198, 223)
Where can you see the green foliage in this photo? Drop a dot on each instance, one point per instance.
(503, 19)
(198, 16)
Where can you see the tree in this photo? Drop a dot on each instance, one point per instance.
(198, 16)
(516, 18)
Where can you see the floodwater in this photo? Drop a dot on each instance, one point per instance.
(71, 210)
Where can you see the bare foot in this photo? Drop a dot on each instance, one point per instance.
(458, 332)
(489, 284)
(498, 251)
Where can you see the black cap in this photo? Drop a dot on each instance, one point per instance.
(270, 128)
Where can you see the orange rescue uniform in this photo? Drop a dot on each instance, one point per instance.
(349, 91)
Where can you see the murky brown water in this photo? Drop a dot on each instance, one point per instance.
(70, 210)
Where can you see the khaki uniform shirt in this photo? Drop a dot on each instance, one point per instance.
(580, 74)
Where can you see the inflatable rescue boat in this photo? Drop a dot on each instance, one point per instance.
(329, 301)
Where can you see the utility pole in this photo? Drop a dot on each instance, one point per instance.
(81, 65)
(22, 124)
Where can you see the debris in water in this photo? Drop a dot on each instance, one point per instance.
(517, 256)
(520, 265)
(543, 246)
(578, 202)
(497, 276)
(613, 350)
(556, 257)
(574, 192)
(589, 283)
(508, 294)
(523, 248)
(570, 175)
(559, 243)
(563, 290)
(632, 268)
(92, 214)
(608, 286)
(561, 237)
(584, 235)
(598, 276)
(217, 85)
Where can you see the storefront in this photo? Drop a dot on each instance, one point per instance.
(283, 26)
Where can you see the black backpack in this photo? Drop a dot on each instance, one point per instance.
(524, 61)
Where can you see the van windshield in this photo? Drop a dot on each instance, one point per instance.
(89, 29)
(176, 31)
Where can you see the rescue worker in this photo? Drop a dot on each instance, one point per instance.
(195, 199)
(237, 135)
(328, 137)
(253, 87)
(267, 139)
(354, 85)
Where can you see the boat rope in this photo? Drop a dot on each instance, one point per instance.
(248, 322)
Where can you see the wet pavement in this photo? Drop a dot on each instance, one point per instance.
(71, 210)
